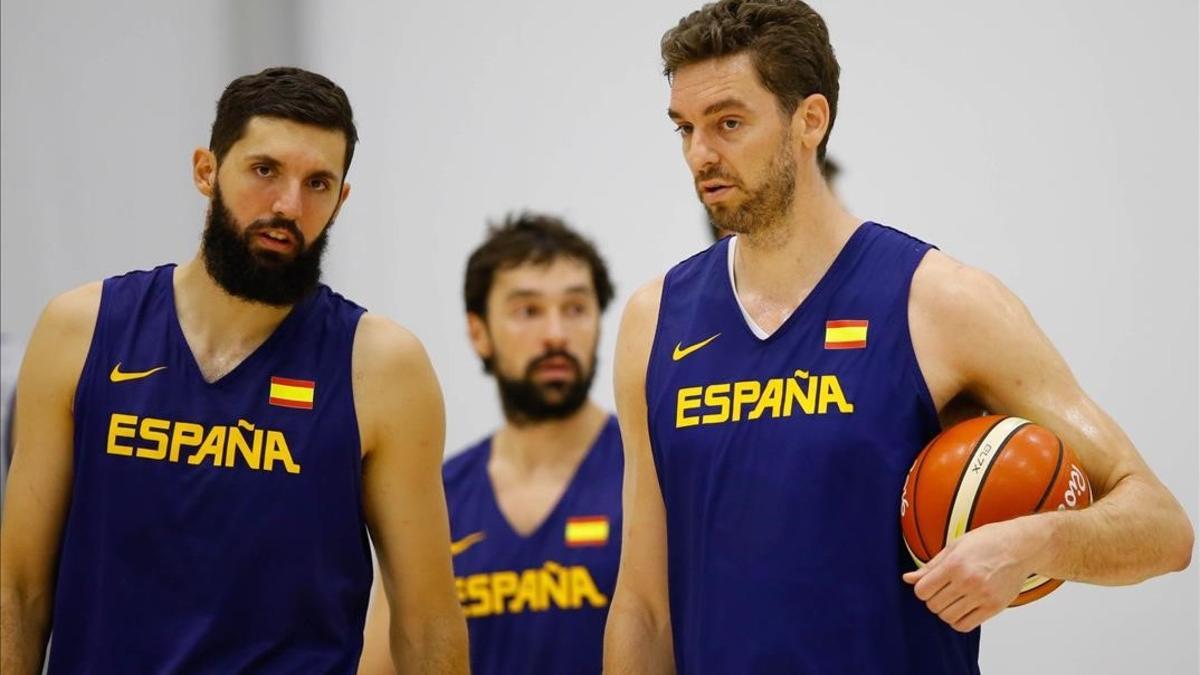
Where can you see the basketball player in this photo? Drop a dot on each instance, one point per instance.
(535, 509)
(774, 389)
(200, 448)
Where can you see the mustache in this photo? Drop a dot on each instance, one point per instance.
(277, 223)
(552, 354)
(715, 172)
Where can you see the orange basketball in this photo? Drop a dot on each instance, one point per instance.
(986, 470)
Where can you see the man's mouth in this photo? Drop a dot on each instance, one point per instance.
(277, 240)
(715, 190)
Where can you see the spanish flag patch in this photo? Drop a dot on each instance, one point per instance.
(292, 393)
(587, 531)
(846, 334)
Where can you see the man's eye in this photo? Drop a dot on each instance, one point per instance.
(730, 125)
(262, 170)
(683, 129)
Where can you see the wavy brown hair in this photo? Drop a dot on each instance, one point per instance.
(786, 39)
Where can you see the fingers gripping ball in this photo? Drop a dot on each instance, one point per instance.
(986, 470)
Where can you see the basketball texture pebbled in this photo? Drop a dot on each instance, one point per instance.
(985, 470)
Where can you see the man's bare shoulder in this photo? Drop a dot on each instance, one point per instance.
(383, 344)
(636, 337)
(58, 348)
(389, 364)
(76, 308)
(951, 293)
(964, 324)
(69, 319)
(643, 305)
(394, 384)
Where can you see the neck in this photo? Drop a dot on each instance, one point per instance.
(782, 261)
(549, 444)
(212, 319)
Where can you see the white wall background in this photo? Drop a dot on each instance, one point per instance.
(1052, 143)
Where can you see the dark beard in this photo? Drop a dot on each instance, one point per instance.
(764, 206)
(525, 401)
(259, 276)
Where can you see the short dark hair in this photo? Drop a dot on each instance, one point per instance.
(287, 93)
(786, 39)
(529, 238)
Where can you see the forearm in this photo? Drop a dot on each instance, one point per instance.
(635, 643)
(438, 647)
(24, 627)
(1134, 532)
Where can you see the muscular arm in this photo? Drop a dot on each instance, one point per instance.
(974, 336)
(637, 638)
(402, 420)
(39, 485)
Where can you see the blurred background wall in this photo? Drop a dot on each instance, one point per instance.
(1051, 143)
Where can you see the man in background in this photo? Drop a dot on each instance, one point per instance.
(535, 508)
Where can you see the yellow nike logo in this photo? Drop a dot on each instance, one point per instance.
(465, 543)
(117, 376)
(681, 351)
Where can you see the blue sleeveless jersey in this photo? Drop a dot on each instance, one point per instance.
(213, 528)
(537, 604)
(781, 461)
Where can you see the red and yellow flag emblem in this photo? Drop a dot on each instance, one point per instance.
(846, 334)
(587, 531)
(292, 393)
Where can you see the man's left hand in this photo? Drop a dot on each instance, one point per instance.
(977, 575)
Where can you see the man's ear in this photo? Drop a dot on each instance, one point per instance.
(204, 171)
(810, 122)
(477, 332)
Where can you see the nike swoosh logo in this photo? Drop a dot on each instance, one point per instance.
(681, 351)
(117, 376)
(465, 543)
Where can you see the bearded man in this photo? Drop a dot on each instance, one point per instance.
(201, 449)
(535, 508)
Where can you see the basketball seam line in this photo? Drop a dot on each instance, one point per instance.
(916, 520)
(961, 475)
(1053, 478)
(988, 471)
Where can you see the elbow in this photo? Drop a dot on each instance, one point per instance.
(1184, 543)
(629, 617)
(1176, 540)
(441, 641)
(35, 601)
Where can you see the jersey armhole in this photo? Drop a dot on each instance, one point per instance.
(95, 349)
(352, 331)
(651, 369)
(920, 386)
(652, 376)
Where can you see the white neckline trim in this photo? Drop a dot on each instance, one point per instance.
(750, 323)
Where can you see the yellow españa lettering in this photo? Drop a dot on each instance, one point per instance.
(747, 400)
(218, 446)
(533, 590)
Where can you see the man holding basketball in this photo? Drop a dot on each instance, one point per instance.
(774, 389)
